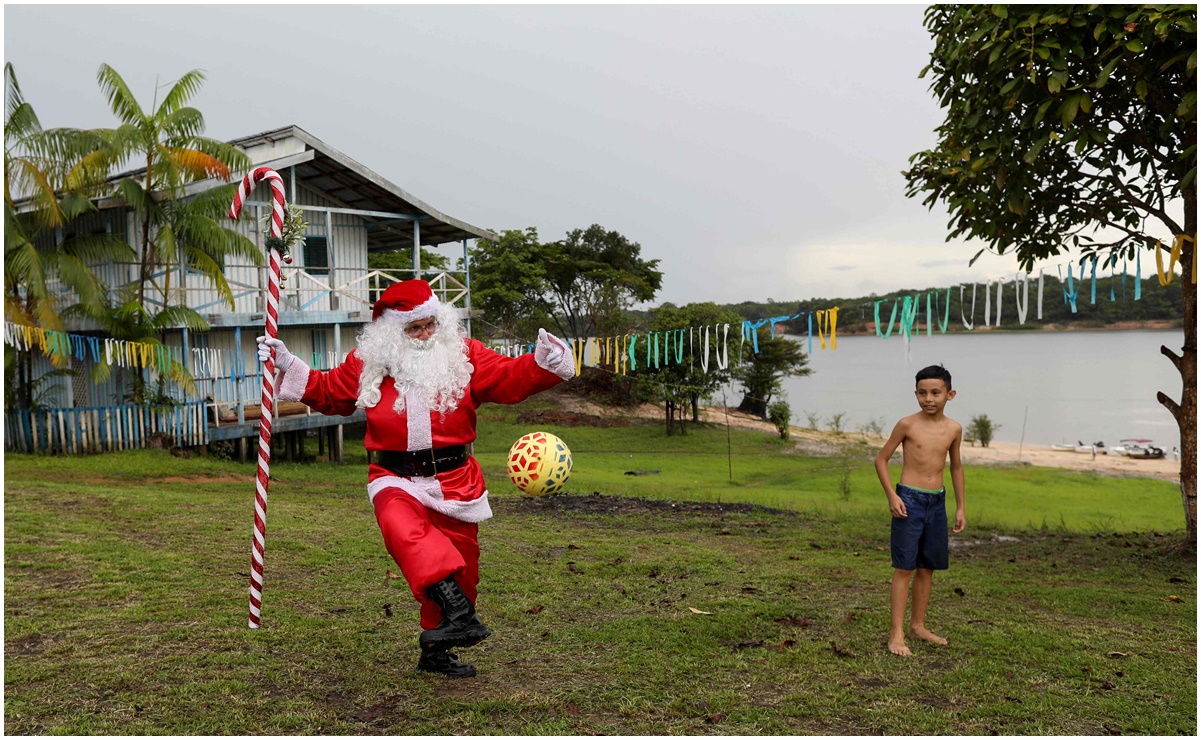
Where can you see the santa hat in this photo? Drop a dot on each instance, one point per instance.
(410, 300)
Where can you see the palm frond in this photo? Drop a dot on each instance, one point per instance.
(183, 89)
(32, 182)
(76, 204)
(132, 192)
(96, 249)
(197, 165)
(231, 155)
(182, 126)
(120, 100)
(89, 174)
(23, 267)
(76, 274)
(173, 317)
(14, 311)
(45, 313)
(211, 269)
(20, 124)
(122, 142)
(13, 98)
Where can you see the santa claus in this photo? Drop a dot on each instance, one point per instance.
(420, 381)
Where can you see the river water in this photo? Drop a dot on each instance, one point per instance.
(1063, 386)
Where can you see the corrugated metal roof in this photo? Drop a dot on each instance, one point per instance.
(343, 179)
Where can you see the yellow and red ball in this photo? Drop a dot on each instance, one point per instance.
(539, 464)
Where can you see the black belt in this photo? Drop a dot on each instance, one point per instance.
(423, 463)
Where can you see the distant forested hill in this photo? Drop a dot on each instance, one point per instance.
(1158, 304)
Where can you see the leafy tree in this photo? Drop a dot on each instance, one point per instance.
(762, 374)
(508, 281)
(683, 385)
(48, 176)
(168, 144)
(982, 429)
(592, 277)
(402, 259)
(1072, 126)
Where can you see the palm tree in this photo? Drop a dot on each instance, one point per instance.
(169, 143)
(49, 175)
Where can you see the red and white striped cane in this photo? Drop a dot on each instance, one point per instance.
(259, 541)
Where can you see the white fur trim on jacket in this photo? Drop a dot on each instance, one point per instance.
(424, 311)
(293, 382)
(429, 493)
(417, 416)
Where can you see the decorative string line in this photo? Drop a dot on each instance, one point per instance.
(119, 352)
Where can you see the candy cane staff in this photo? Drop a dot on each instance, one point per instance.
(283, 235)
(421, 380)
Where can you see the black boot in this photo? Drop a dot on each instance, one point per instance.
(460, 627)
(440, 661)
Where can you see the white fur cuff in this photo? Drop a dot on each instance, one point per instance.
(294, 380)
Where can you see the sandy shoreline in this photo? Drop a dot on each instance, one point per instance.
(997, 453)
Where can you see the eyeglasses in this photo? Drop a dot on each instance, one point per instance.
(416, 329)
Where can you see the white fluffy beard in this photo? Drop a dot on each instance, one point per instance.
(436, 367)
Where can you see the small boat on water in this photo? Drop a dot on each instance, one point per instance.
(1098, 447)
(1139, 449)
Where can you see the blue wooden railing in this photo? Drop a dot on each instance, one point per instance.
(104, 429)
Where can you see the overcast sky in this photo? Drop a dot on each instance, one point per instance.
(755, 151)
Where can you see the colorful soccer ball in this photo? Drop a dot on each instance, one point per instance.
(539, 464)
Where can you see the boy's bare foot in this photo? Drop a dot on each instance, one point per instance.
(922, 633)
(897, 646)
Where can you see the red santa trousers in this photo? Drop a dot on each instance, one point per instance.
(428, 547)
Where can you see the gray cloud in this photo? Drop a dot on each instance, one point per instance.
(752, 149)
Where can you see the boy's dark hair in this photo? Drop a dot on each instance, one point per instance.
(934, 372)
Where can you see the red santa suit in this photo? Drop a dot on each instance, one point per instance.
(429, 524)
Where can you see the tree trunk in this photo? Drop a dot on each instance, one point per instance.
(669, 412)
(756, 406)
(1186, 362)
(696, 408)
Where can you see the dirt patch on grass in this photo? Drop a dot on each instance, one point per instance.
(571, 419)
(597, 503)
(104, 480)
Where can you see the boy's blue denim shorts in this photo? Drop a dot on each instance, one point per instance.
(920, 540)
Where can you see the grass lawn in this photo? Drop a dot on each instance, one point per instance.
(1069, 606)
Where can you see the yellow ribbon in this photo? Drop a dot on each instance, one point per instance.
(828, 317)
(1165, 277)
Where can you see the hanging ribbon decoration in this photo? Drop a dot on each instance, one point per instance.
(1021, 296)
(946, 312)
(723, 362)
(260, 502)
(891, 319)
(1165, 277)
(1069, 292)
(969, 325)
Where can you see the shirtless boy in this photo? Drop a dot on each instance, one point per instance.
(918, 504)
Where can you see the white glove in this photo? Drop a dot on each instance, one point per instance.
(551, 354)
(283, 358)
